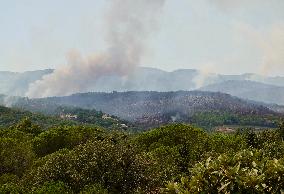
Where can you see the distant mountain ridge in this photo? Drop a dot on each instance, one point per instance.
(259, 88)
(249, 90)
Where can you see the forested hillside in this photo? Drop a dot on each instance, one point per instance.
(62, 116)
(150, 109)
(10, 116)
(87, 116)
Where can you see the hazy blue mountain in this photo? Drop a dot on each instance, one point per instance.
(249, 90)
(148, 79)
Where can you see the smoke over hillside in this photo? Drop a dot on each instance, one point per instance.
(128, 23)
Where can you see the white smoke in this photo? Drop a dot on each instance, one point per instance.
(268, 42)
(128, 22)
(205, 74)
(270, 45)
(234, 5)
(8, 101)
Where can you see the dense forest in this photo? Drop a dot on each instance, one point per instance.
(173, 159)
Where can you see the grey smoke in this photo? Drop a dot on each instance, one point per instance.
(128, 23)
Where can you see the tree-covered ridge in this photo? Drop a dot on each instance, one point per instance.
(171, 159)
(153, 109)
(63, 116)
(134, 105)
(87, 116)
(211, 119)
(11, 116)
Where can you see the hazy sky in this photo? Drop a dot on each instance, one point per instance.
(226, 36)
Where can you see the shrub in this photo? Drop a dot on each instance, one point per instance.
(62, 137)
(15, 156)
(174, 147)
(117, 166)
(94, 189)
(245, 172)
(11, 188)
(53, 187)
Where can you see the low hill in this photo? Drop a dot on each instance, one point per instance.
(157, 108)
(93, 117)
(63, 116)
(12, 116)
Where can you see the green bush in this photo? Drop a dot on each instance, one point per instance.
(175, 146)
(270, 141)
(27, 126)
(94, 189)
(245, 172)
(15, 156)
(117, 166)
(53, 188)
(11, 188)
(58, 138)
(8, 178)
(225, 143)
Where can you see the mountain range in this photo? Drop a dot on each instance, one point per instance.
(248, 86)
(249, 90)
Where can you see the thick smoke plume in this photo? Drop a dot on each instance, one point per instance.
(128, 22)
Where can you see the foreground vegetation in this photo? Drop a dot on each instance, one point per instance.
(172, 159)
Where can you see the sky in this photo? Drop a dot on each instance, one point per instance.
(222, 36)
